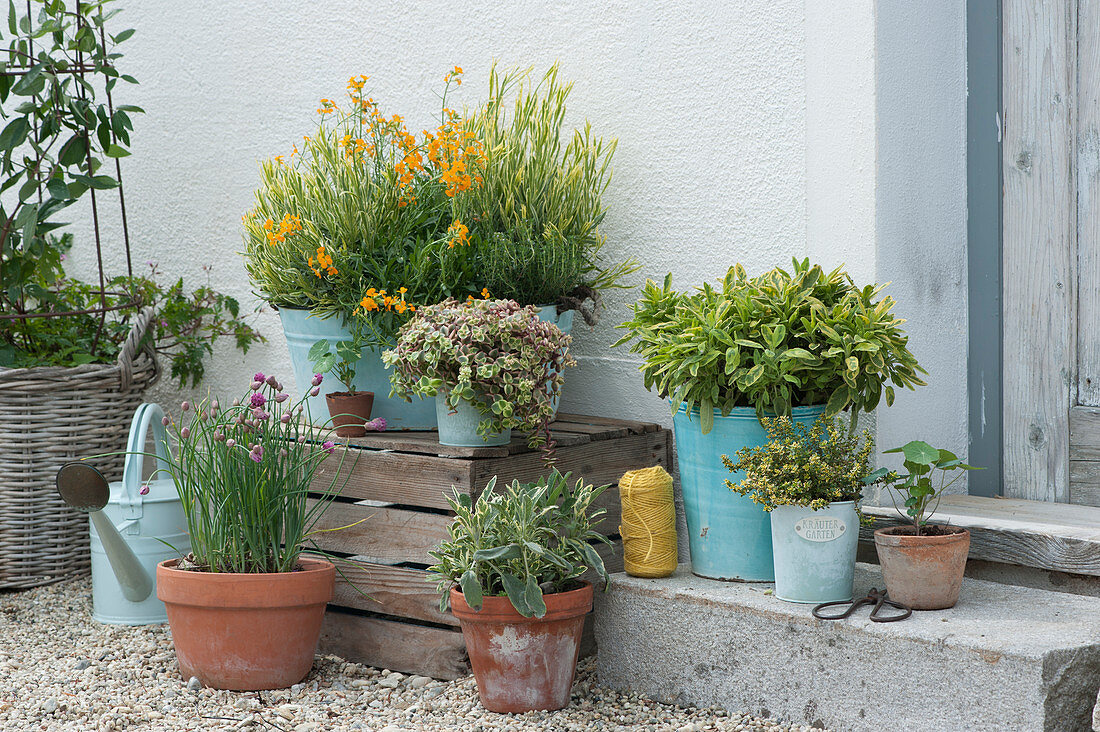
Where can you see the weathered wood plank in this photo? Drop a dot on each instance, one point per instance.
(427, 443)
(1054, 536)
(412, 649)
(1039, 245)
(634, 426)
(393, 477)
(598, 463)
(1084, 433)
(402, 592)
(386, 534)
(1087, 170)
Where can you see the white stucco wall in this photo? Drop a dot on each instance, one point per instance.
(748, 132)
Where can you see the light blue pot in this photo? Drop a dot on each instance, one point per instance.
(564, 321)
(815, 552)
(303, 330)
(729, 536)
(459, 428)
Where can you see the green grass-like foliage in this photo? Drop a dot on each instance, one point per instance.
(773, 342)
(243, 473)
(534, 222)
(923, 464)
(530, 539)
(803, 465)
(494, 354)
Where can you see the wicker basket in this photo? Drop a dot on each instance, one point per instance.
(48, 416)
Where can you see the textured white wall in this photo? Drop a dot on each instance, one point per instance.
(747, 132)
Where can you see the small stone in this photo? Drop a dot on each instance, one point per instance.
(49, 706)
(82, 664)
(417, 682)
(193, 684)
(433, 692)
(285, 712)
(389, 682)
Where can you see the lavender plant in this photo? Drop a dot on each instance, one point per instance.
(244, 472)
(493, 354)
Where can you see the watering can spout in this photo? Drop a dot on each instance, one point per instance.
(85, 489)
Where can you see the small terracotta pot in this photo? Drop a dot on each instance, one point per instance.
(923, 572)
(350, 412)
(246, 632)
(522, 664)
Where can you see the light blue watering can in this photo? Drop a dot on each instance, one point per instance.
(130, 532)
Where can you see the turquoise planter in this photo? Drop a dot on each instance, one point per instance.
(815, 552)
(564, 321)
(459, 428)
(729, 535)
(303, 330)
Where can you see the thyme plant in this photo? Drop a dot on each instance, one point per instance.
(528, 540)
(772, 342)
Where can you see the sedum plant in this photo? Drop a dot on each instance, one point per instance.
(529, 540)
(803, 465)
(534, 222)
(365, 214)
(918, 486)
(493, 354)
(243, 472)
(772, 342)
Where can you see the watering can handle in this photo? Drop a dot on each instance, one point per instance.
(147, 415)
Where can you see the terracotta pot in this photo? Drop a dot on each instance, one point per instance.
(522, 664)
(350, 412)
(923, 572)
(246, 632)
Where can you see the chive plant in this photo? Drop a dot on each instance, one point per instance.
(244, 473)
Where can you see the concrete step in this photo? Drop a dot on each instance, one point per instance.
(1004, 658)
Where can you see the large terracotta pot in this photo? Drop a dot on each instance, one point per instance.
(923, 572)
(522, 664)
(246, 632)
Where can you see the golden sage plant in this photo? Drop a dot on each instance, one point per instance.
(363, 218)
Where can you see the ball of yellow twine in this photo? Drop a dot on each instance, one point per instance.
(648, 524)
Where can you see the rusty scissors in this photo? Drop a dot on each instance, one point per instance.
(874, 597)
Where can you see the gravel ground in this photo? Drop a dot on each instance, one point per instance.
(59, 670)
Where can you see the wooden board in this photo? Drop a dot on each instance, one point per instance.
(1039, 245)
(1084, 456)
(393, 477)
(387, 534)
(391, 644)
(401, 592)
(1053, 536)
(1087, 171)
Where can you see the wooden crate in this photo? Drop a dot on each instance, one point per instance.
(386, 612)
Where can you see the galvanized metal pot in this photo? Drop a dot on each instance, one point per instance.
(923, 572)
(815, 552)
(729, 536)
(458, 427)
(246, 632)
(523, 664)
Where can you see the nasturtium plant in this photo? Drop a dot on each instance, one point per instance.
(918, 485)
(523, 542)
(772, 342)
(494, 354)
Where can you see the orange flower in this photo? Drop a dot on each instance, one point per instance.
(484, 293)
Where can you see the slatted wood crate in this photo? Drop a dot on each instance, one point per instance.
(396, 483)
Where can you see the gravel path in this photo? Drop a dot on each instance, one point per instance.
(59, 670)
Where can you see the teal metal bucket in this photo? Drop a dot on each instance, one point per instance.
(303, 330)
(815, 552)
(729, 536)
(458, 428)
(564, 321)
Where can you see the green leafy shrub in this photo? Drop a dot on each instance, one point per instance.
(534, 221)
(918, 487)
(802, 465)
(531, 539)
(773, 342)
(493, 354)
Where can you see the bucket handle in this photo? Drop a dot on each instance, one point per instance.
(147, 415)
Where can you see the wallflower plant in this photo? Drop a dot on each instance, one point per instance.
(803, 465)
(773, 342)
(528, 540)
(363, 209)
(244, 472)
(494, 354)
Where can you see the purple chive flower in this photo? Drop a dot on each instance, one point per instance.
(258, 400)
(317, 379)
(258, 376)
(315, 391)
(256, 453)
(236, 402)
(214, 406)
(230, 442)
(282, 397)
(300, 409)
(378, 424)
(185, 433)
(218, 437)
(144, 490)
(164, 421)
(283, 452)
(185, 406)
(272, 382)
(164, 323)
(255, 386)
(328, 447)
(285, 419)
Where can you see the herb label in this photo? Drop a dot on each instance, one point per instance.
(820, 528)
